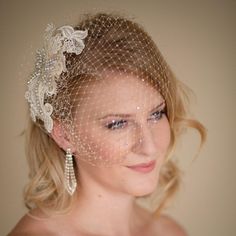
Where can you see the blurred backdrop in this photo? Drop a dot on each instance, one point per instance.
(197, 38)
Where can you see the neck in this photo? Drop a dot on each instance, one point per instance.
(96, 207)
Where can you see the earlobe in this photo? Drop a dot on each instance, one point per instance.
(60, 137)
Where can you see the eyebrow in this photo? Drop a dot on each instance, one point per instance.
(129, 115)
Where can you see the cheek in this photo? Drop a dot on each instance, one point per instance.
(162, 134)
(100, 145)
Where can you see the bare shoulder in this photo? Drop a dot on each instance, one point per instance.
(161, 225)
(30, 226)
(167, 226)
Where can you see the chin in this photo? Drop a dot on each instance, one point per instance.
(143, 189)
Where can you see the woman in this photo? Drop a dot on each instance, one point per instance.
(107, 112)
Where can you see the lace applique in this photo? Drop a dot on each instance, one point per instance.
(50, 63)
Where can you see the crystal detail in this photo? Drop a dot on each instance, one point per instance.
(50, 63)
(69, 173)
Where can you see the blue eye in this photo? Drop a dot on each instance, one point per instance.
(119, 124)
(158, 114)
(116, 124)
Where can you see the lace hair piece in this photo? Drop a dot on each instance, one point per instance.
(50, 63)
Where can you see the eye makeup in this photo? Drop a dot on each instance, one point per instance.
(122, 123)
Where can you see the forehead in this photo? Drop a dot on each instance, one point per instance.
(119, 92)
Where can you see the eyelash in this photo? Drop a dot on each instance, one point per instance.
(115, 125)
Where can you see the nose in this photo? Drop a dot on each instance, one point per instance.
(144, 141)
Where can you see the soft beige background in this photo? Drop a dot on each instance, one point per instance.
(198, 40)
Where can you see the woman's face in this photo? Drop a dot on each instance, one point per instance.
(120, 122)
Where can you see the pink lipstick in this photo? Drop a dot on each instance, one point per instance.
(144, 168)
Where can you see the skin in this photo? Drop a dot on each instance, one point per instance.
(106, 193)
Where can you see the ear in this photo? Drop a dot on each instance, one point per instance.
(61, 137)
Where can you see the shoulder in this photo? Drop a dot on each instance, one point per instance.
(167, 226)
(160, 225)
(31, 226)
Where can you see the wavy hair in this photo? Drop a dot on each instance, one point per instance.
(45, 189)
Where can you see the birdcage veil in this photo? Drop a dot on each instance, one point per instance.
(86, 72)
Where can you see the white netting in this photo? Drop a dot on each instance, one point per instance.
(110, 98)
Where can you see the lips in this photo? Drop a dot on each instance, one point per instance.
(144, 167)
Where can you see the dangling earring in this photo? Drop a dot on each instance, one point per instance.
(69, 173)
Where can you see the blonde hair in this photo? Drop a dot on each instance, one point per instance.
(46, 190)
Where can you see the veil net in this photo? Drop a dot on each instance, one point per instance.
(111, 96)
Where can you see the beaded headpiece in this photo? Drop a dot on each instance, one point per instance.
(50, 63)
